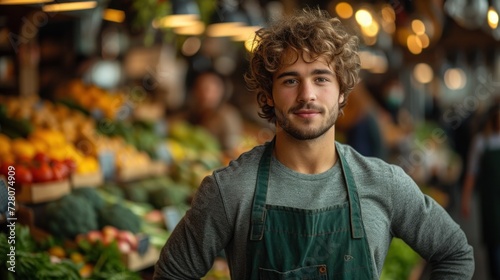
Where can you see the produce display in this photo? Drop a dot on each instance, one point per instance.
(195, 153)
(139, 134)
(13, 119)
(126, 240)
(39, 168)
(93, 233)
(89, 98)
(86, 210)
(53, 259)
(43, 148)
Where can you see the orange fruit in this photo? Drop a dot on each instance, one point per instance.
(57, 251)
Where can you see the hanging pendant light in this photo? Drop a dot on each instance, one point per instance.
(493, 19)
(24, 2)
(69, 6)
(255, 22)
(184, 19)
(226, 19)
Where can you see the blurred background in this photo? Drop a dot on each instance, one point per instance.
(142, 98)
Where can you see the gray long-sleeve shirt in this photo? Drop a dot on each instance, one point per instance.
(392, 205)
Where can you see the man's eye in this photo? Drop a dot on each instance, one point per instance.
(321, 80)
(290, 82)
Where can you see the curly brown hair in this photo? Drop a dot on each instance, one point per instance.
(311, 31)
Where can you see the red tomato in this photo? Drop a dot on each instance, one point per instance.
(42, 172)
(41, 157)
(23, 174)
(71, 164)
(59, 170)
(24, 160)
(4, 168)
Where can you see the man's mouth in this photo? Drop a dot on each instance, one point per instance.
(306, 111)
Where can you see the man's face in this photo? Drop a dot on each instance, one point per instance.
(305, 96)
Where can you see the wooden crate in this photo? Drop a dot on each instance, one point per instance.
(43, 192)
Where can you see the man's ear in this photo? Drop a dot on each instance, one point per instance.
(341, 97)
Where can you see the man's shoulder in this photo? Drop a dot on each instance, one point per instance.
(241, 168)
(359, 163)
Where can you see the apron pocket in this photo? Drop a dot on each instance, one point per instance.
(315, 272)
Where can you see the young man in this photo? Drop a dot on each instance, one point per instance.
(304, 206)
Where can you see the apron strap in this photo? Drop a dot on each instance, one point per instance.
(258, 209)
(354, 205)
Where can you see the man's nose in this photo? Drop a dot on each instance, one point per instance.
(306, 92)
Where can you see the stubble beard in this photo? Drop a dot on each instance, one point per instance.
(308, 133)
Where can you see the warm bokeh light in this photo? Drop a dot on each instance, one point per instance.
(371, 30)
(455, 78)
(369, 41)
(414, 44)
(69, 6)
(174, 21)
(246, 33)
(191, 46)
(418, 26)
(344, 10)
(227, 29)
(23, 2)
(492, 18)
(366, 59)
(364, 18)
(388, 14)
(249, 45)
(424, 39)
(195, 28)
(389, 27)
(423, 73)
(113, 15)
(373, 62)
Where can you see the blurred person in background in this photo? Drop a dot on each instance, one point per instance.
(209, 108)
(360, 124)
(484, 174)
(304, 206)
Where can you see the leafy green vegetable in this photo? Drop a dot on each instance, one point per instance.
(24, 240)
(31, 264)
(107, 260)
(91, 195)
(112, 189)
(171, 195)
(400, 261)
(120, 217)
(135, 192)
(40, 265)
(69, 216)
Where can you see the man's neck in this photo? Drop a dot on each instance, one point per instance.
(306, 156)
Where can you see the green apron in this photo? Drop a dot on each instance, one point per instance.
(488, 183)
(291, 243)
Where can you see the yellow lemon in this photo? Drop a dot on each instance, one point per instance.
(22, 148)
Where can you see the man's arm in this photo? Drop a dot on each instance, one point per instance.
(426, 227)
(195, 242)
